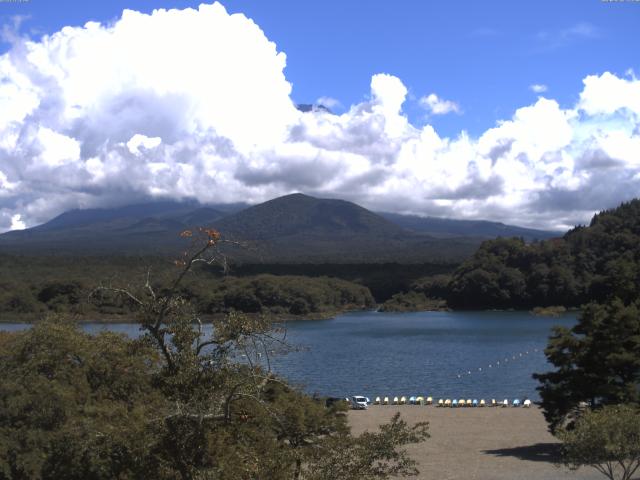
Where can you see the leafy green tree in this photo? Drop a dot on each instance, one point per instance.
(372, 455)
(75, 406)
(213, 397)
(597, 361)
(607, 439)
(187, 400)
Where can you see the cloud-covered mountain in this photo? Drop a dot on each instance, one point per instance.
(295, 228)
(106, 115)
(148, 228)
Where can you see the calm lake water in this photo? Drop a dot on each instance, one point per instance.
(439, 354)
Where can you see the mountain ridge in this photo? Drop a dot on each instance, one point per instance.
(293, 227)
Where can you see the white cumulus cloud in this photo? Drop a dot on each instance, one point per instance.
(329, 102)
(538, 88)
(101, 115)
(439, 106)
(17, 223)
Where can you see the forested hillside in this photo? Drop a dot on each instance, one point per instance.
(33, 286)
(592, 263)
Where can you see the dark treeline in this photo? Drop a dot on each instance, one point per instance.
(383, 279)
(33, 285)
(280, 295)
(593, 263)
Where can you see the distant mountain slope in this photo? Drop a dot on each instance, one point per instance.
(447, 227)
(293, 228)
(300, 228)
(150, 227)
(299, 214)
(115, 217)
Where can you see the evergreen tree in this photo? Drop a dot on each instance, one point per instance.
(597, 361)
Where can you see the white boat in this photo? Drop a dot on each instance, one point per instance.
(377, 401)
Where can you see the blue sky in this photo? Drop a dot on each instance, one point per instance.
(482, 55)
(521, 112)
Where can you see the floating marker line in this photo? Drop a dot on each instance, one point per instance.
(515, 356)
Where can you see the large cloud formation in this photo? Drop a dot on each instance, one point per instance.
(195, 104)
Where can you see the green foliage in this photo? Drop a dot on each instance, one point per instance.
(597, 361)
(552, 311)
(183, 401)
(598, 263)
(372, 455)
(412, 301)
(284, 295)
(33, 286)
(383, 279)
(607, 439)
(74, 406)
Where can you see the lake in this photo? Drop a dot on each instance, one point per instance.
(438, 354)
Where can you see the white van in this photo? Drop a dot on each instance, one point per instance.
(359, 403)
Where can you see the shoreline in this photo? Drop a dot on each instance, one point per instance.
(277, 318)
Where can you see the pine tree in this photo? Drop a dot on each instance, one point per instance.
(597, 362)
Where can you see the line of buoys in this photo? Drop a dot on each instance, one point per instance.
(513, 357)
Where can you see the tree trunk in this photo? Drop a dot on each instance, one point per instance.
(298, 470)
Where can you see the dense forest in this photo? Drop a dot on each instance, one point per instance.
(34, 285)
(589, 263)
(282, 296)
(593, 263)
(178, 402)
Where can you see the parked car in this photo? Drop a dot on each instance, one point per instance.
(359, 403)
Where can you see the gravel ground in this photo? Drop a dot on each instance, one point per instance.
(478, 443)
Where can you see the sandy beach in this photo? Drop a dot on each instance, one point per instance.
(478, 443)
